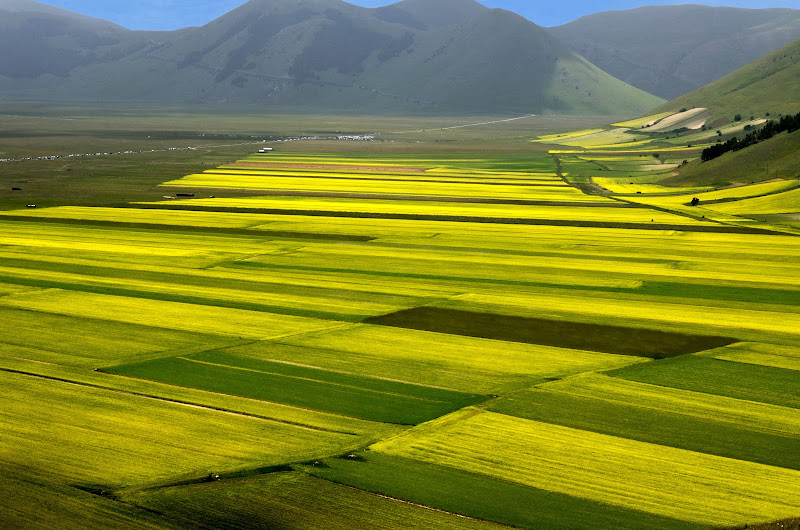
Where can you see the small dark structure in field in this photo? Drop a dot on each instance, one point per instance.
(16, 189)
(185, 194)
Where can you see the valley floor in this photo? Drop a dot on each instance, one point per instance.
(303, 339)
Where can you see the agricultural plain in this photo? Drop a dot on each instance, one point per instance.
(398, 334)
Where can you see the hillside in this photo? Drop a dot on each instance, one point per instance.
(672, 50)
(443, 56)
(774, 158)
(768, 85)
(42, 42)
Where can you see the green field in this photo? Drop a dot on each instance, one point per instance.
(763, 384)
(669, 482)
(301, 386)
(457, 491)
(649, 414)
(443, 327)
(289, 500)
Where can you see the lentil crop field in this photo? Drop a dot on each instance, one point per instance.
(310, 339)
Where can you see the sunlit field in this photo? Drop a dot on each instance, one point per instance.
(539, 337)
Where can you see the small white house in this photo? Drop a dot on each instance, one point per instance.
(266, 150)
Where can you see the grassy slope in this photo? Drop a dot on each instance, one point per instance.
(671, 50)
(768, 85)
(775, 158)
(584, 88)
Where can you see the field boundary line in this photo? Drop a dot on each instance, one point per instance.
(411, 503)
(180, 401)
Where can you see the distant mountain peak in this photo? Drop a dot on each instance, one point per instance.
(432, 13)
(452, 56)
(33, 7)
(672, 50)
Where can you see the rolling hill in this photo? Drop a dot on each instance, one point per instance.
(774, 158)
(45, 42)
(672, 50)
(443, 56)
(769, 85)
(766, 88)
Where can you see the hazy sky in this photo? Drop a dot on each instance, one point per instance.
(174, 14)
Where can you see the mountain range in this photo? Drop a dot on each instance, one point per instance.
(671, 50)
(767, 87)
(432, 56)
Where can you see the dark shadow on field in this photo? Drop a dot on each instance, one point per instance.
(619, 340)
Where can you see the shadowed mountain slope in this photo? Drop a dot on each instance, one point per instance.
(672, 50)
(769, 85)
(446, 56)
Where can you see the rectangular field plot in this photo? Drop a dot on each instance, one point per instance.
(458, 268)
(88, 436)
(248, 296)
(340, 185)
(441, 176)
(351, 395)
(669, 482)
(291, 500)
(451, 211)
(87, 342)
(694, 421)
(166, 315)
(451, 361)
(777, 203)
(456, 491)
(765, 384)
(691, 317)
(774, 355)
(78, 214)
(120, 245)
(428, 162)
(30, 502)
(579, 336)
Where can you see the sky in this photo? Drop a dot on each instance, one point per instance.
(175, 14)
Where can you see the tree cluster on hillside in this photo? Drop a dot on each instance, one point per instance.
(771, 128)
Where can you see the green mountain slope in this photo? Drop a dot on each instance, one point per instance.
(672, 50)
(40, 40)
(442, 56)
(768, 85)
(778, 157)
